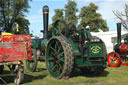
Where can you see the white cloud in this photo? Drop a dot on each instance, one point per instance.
(40, 11)
(108, 6)
(34, 19)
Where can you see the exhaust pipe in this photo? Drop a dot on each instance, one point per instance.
(119, 33)
(45, 20)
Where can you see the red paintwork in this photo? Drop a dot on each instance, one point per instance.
(15, 47)
(123, 48)
(112, 58)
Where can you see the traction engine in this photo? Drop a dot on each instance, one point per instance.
(65, 48)
(120, 54)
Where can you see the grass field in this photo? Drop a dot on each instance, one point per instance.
(111, 76)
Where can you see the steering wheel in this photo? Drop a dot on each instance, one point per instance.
(60, 28)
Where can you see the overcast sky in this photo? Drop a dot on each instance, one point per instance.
(105, 8)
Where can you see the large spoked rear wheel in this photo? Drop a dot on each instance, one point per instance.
(32, 64)
(113, 59)
(59, 57)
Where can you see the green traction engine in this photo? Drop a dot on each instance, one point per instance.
(65, 48)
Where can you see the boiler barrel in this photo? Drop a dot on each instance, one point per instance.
(121, 48)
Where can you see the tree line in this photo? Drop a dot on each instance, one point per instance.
(12, 12)
(88, 16)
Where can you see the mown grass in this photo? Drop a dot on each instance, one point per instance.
(111, 76)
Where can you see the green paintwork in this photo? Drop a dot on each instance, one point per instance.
(74, 46)
(87, 34)
(95, 49)
(80, 61)
(44, 44)
(92, 50)
(55, 58)
(35, 43)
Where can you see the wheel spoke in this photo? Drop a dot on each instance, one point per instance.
(61, 54)
(53, 49)
(61, 59)
(113, 56)
(51, 58)
(57, 31)
(53, 68)
(59, 69)
(59, 48)
(56, 47)
(114, 63)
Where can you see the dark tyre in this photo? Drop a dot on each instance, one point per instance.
(19, 75)
(1, 69)
(59, 57)
(31, 65)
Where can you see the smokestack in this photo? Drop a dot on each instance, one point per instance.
(119, 33)
(45, 20)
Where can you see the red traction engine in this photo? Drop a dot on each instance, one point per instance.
(120, 54)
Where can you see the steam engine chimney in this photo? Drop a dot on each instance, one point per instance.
(119, 33)
(45, 20)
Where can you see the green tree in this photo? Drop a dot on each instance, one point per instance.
(58, 15)
(89, 17)
(13, 11)
(70, 12)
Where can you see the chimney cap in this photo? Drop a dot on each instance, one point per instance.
(45, 8)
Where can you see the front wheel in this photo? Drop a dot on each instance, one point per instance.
(19, 75)
(124, 61)
(113, 59)
(31, 65)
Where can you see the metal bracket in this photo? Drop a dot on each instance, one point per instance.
(3, 81)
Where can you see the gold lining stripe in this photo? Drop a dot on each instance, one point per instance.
(45, 12)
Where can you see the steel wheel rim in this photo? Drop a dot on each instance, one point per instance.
(113, 59)
(55, 58)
